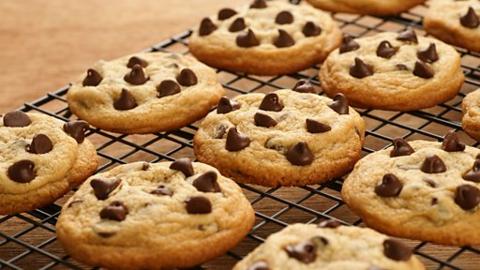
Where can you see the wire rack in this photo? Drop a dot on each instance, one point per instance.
(27, 240)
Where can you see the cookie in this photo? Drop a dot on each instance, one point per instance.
(283, 138)
(330, 246)
(455, 22)
(154, 216)
(372, 7)
(42, 159)
(265, 38)
(393, 71)
(145, 92)
(421, 190)
(471, 114)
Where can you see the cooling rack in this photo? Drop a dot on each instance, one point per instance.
(27, 240)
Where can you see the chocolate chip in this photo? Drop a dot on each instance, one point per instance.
(339, 104)
(183, 165)
(401, 67)
(236, 141)
(136, 76)
(348, 44)
(305, 252)
(102, 188)
(311, 29)
(473, 175)
(22, 171)
(134, 60)
(284, 39)
(225, 105)
(317, 127)
(470, 19)
(360, 69)
(198, 205)
(206, 27)
(187, 77)
(332, 224)
(220, 131)
(237, 25)
(117, 211)
(430, 182)
(247, 40)
(300, 154)
(284, 17)
(145, 166)
(304, 86)
(259, 265)
(401, 148)
(433, 164)
(76, 129)
(264, 120)
(168, 88)
(396, 250)
(429, 55)
(40, 144)
(259, 4)
(162, 191)
(16, 119)
(390, 186)
(467, 196)
(226, 13)
(423, 70)
(452, 143)
(408, 35)
(207, 182)
(93, 78)
(386, 50)
(434, 201)
(125, 102)
(271, 102)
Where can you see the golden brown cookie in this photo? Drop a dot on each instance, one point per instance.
(471, 114)
(372, 7)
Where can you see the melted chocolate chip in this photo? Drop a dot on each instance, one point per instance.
(207, 182)
(136, 61)
(317, 127)
(474, 174)
(259, 265)
(470, 19)
(198, 205)
(284, 17)
(206, 27)
(41, 144)
(145, 166)
(220, 131)
(136, 76)
(390, 186)
(168, 88)
(311, 30)
(423, 70)
(360, 69)
(348, 44)
(433, 164)
(386, 50)
(93, 78)
(284, 39)
(401, 148)
(226, 13)
(187, 77)
(430, 182)
(340, 104)
(259, 4)
(396, 250)
(247, 40)
(183, 165)
(304, 86)
(305, 252)
(162, 191)
(300, 154)
(401, 67)
(429, 55)
(264, 120)
(452, 143)
(22, 171)
(467, 197)
(237, 25)
(103, 188)
(271, 102)
(434, 201)
(125, 102)
(225, 105)
(236, 141)
(332, 224)
(76, 129)
(117, 211)
(408, 35)
(16, 119)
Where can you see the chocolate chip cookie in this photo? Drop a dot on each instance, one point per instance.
(373, 7)
(282, 138)
(330, 246)
(455, 22)
(393, 71)
(42, 159)
(471, 114)
(265, 38)
(154, 216)
(420, 190)
(145, 92)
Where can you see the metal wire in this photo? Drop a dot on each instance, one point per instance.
(27, 240)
